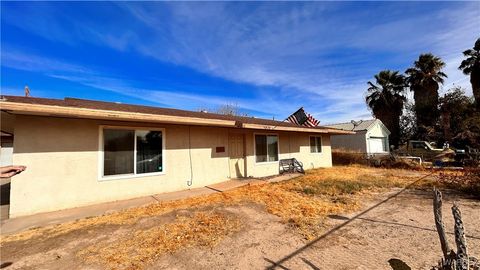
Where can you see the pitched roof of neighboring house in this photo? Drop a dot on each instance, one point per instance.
(91, 109)
(361, 125)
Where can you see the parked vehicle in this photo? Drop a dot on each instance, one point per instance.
(449, 156)
(420, 149)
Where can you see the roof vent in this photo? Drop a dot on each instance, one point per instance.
(27, 91)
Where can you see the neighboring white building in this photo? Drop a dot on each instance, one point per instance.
(371, 137)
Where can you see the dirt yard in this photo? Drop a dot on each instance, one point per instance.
(291, 224)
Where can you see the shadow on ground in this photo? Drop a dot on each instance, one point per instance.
(398, 264)
(5, 264)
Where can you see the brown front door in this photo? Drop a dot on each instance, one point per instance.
(236, 154)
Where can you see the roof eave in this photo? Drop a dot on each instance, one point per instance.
(297, 129)
(75, 112)
(62, 111)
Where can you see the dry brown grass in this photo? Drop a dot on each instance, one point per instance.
(332, 191)
(349, 180)
(302, 202)
(140, 248)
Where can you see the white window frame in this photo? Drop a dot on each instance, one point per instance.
(321, 144)
(101, 153)
(255, 148)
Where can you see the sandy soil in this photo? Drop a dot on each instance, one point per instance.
(400, 228)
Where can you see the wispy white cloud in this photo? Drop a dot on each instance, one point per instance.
(18, 60)
(286, 52)
(305, 51)
(460, 36)
(176, 98)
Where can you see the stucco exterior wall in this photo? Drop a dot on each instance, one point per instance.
(355, 142)
(63, 160)
(292, 145)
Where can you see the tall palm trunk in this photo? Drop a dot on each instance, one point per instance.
(390, 117)
(426, 104)
(475, 81)
(395, 129)
(447, 134)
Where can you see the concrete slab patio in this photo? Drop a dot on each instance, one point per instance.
(234, 183)
(13, 225)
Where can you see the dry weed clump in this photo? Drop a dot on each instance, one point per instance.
(141, 247)
(466, 181)
(406, 164)
(349, 181)
(348, 157)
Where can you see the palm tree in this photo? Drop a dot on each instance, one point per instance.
(471, 66)
(424, 79)
(386, 98)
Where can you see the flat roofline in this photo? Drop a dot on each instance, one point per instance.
(298, 129)
(64, 111)
(60, 110)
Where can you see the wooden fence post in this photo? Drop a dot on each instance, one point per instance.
(462, 261)
(437, 211)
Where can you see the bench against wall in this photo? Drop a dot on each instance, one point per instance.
(290, 165)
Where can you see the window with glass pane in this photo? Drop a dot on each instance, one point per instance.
(261, 148)
(272, 146)
(149, 151)
(118, 148)
(315, 144)
(266, 148)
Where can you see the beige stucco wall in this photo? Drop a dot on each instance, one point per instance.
(292, 145)
(63, 158)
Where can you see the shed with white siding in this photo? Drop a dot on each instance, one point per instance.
(371, 137)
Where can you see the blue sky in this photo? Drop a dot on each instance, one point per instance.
(269, 58)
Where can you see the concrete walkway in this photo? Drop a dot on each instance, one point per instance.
(13, 225)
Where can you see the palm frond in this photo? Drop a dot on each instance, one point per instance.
(476, 47)
(468, 52)
(442, 74)
(472, 59)
(387, 90)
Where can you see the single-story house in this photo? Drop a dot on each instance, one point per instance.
(81, 152)
(371, 137)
